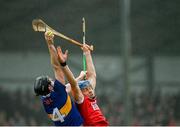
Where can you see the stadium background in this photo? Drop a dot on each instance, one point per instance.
(137, 57)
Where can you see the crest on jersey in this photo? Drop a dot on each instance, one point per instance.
(94, 106)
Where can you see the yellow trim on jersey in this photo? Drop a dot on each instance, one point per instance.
(65, 109)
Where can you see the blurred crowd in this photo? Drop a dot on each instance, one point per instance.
(155, 110)
(24, 108)
(20, 107)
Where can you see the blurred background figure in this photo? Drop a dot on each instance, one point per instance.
(136, 56)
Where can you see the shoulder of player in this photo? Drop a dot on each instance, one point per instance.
(58, 83)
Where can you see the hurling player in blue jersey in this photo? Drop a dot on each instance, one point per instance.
(56, 101)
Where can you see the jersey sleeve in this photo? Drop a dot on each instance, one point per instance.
(59, 87)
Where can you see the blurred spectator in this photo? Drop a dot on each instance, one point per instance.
(155, 111)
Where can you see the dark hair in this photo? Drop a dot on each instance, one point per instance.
(41, 85)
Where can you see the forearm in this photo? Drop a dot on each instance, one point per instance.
(59, 75)
(91, 72)
(53, 55)
(69, 75)
(68, 86)
(75, 90)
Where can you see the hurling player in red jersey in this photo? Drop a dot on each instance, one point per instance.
(85, 91)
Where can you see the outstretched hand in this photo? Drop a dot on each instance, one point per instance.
(62, 56)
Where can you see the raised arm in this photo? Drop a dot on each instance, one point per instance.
(79, 78)
(59, 75)
(91, 72)
(76, 92)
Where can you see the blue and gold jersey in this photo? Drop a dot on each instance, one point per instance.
(60, 108)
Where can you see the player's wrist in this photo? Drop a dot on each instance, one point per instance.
(63, 64)
(87, 52)
(50, 42)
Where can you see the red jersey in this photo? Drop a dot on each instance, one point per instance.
(91, 113)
